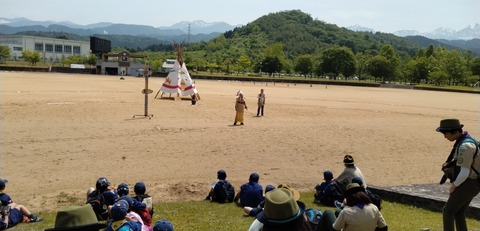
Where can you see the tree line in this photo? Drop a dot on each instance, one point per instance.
(293, 43)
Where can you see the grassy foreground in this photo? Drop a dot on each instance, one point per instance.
(204, 215)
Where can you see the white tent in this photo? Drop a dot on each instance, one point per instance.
(178, 81)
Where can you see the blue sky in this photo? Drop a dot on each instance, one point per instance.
(381, 15)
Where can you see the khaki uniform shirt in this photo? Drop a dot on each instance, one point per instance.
(464, 157)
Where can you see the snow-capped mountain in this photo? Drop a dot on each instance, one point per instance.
(466, 33)
(200, 26)
(360, 28)
(196, 27)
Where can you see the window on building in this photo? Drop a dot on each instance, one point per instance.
(58, 48)
(39, 47)
(18, 48)
(67, 49)
(76, 49)
(49, 47)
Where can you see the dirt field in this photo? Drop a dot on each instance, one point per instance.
(60, 132)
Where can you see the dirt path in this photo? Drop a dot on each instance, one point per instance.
(60, 132)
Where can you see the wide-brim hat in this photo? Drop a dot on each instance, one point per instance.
(280, 207)
(449, 125)
(296, 193)
(354, 188)
(73, 218)
(348, 159)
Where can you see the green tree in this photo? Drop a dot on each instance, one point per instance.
(438, 77)
(417, 69)
(91, 60)
(32, 57)
(455, 66)
(271, 65)
(244, 63)
(379, 67)
(389, 52)
(156, 64)
(338, 60)
(475, 67)
(429, 51)
(4, 52)
(304, 65)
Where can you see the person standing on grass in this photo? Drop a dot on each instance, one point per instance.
(465, 186)
(261, 102)
(240, 107)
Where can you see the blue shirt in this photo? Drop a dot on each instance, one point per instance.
(251, 194)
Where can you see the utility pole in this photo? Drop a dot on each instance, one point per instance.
(188, 38)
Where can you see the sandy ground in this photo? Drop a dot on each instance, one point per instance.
(60, 132)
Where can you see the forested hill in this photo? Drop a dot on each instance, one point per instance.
(301, 34)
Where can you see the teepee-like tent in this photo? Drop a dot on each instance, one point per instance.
(178, 79)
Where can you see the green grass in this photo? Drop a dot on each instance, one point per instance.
(204, 215)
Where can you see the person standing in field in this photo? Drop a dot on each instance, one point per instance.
(261, 102)
(465, 185)
(240, 107)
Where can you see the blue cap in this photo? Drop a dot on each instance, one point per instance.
(102, 184)
(123, 189)
(119, 210)
(328, 175)
(254, 177)
(5, 199)
(221, 174)
(3, 182)
(357, 180)
(163, 225)
(140, 188)
(269, 188)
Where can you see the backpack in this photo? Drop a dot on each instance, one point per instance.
(223, 192)
(450, 168)
(313, 216)
(375, 198)
(332, 192)
(147, 200)
(97, 201)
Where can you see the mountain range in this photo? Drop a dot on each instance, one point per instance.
(15, 25)
(466, 33)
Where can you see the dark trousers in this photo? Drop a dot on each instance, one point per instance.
(260, 108)
(457, 204)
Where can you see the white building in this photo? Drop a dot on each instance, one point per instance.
(52, 50)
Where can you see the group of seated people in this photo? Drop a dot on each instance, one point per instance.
(111, 209)
(279, 208)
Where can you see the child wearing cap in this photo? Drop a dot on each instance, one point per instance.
(256, 210)
(327, 192)
(12, 213)
(251, 193)
(163, 225)
(120, 222)
(141, 196)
